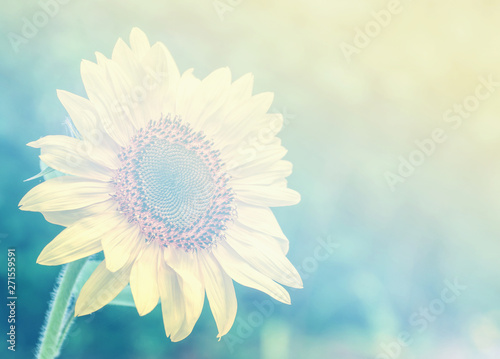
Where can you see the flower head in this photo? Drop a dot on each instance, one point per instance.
(172, 178)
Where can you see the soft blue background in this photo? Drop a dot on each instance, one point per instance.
(347, 123)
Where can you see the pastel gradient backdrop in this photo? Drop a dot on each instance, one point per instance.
(348, 119)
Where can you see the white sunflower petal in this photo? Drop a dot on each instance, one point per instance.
(67, 218)
(247, 158)
(188, 84)
(163, 78)
(101, 59)
(272, 174)
(263, 220)
(78, 152)
(185, 264)
(258, 132)
(139, 42)
(125, 57)
(172, 301)
(238, 269)
(209, 97)
(122, 88)
(159, 59)
(246, 118)
(79, 240)
(65, 193)
(69, 155)
(220, 293)
(139, 97)
(194, 295)
(86, 119)
(235, 95)
(259, 251)
(266, 173)
(81, 111)
(105, 103)
(269, 196)
(144, 279)
(118, 246)
(101, 288)
(241, 89)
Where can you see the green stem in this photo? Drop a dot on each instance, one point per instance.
(65, 327)
(55, 327)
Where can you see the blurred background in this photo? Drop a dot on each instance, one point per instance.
(392, 123)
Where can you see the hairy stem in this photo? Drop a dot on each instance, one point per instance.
(57, 323)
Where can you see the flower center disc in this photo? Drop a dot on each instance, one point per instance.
(177, 184)
(172, 185)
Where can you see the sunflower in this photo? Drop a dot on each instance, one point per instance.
(171, 177)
